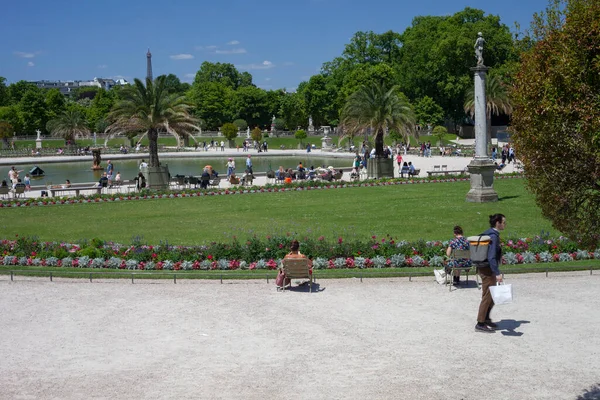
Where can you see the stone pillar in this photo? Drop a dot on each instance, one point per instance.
(481, 167)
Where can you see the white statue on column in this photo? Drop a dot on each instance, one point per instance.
(479, 48)
(38, 141)
(248, 133)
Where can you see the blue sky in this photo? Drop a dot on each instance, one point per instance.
(281, 43)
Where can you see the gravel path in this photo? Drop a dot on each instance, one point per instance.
(380, 339)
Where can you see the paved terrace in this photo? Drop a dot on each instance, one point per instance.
(379, 339)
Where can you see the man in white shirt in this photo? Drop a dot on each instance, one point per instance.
(143, 164)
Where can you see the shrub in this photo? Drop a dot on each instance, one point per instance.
(510, 258)
(229, 131)
(398, 260)
(241, 124)
(545, 256)
(436, 261)
(556, 96)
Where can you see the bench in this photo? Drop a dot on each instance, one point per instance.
(447, 172)
(77, 190)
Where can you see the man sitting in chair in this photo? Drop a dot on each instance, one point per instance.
(282, 280)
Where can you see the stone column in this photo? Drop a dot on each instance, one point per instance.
(481, 167)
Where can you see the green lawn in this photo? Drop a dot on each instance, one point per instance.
(409, 212)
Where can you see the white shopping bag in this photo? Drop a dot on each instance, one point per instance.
(440, 276)
(501, 294)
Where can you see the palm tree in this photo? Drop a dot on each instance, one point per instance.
(380, 109)
(497, 102)
(151, 108)
(68, 125)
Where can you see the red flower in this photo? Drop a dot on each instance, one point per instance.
(209, 257)
(340, 240)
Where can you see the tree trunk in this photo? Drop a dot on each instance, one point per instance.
(153, 148)
(379, 143)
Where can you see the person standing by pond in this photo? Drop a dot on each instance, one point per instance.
(249, 164)
(230, 167)
(109, 171)
(490, 274)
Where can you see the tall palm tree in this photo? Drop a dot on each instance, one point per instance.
(381, 109)
(497, 102)
(68, 125)
(151, 108)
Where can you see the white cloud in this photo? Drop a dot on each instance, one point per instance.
(264, 65)
(22, 54)
(233, 43)
(267, 79)
(30, 64)
(211, 47)
(232, 51)
(181, 56)
(190, 75)
(103, 66)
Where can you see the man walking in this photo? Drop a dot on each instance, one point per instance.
(490, 274)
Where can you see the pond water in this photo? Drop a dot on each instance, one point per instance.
(80, 171)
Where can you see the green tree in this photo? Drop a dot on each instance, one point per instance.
(33, 110)
(293, 110)
(100, 107)
(256, 134)
(497, 102)
(319, 97)
(241, 124)
(556, 119)
(428, 112)
(11, 115)
(17, 90)
(55, 102)
(380, 109)
(300, 135)
(68, 125)
(250, 104)
(223, 73)
(213, 102)
(4, 97)
(151, 108)
(229, 131)
(437, 54)
(439, 132)
(6, 131)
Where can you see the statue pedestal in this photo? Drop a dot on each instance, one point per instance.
(482, 181)
(325, 143)
(38, 143)
(380, 168)
(157, 177)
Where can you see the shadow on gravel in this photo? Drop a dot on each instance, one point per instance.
(592, 393)
(305, 289)
(507, 327)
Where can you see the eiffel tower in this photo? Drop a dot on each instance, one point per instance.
(149, 64)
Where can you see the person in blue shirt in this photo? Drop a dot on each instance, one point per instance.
(458, 243)
(249, 164)
(490, 274)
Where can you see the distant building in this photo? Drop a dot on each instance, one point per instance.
(67, 87)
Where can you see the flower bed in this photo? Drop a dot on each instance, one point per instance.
(266, 253)
(170, 194)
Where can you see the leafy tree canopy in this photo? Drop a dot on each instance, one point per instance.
(229, 130)
(557, 117)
